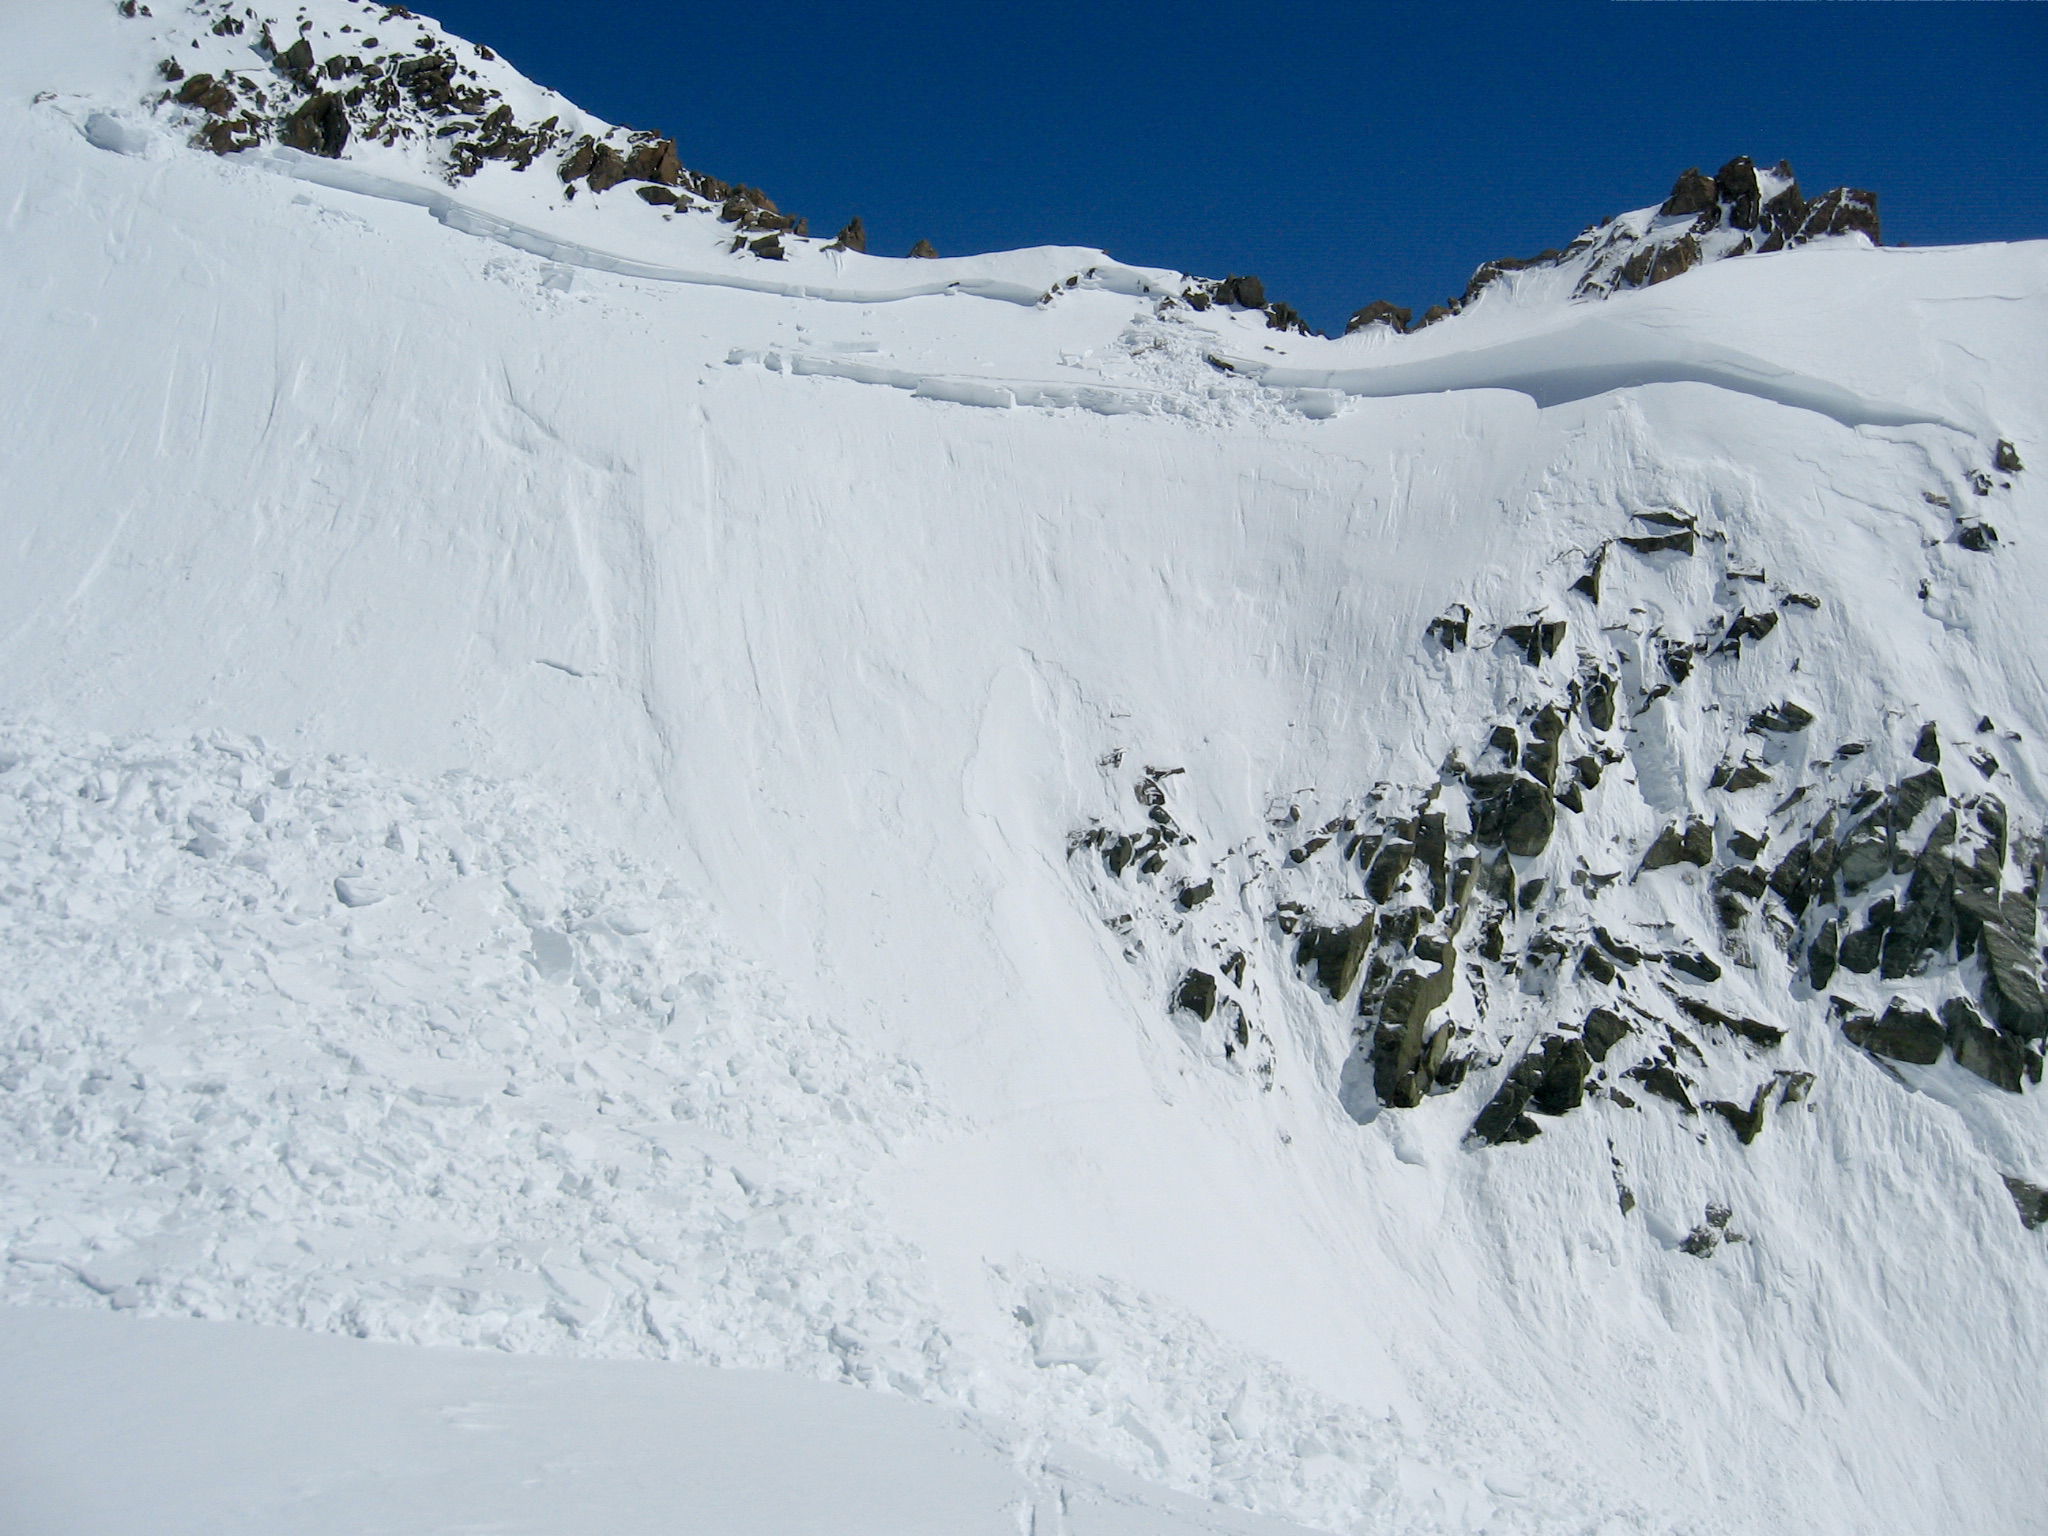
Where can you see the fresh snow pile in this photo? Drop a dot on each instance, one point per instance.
(297, 1043)
(1427, 932)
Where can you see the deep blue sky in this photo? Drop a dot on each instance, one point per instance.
(1343, 152)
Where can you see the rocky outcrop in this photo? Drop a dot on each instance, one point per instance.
(1379, 312)
(320, 127)
(1738, 210)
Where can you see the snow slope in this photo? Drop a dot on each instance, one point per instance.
(544, 758)
(158, 1425)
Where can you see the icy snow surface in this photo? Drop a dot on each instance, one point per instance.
(540, 757)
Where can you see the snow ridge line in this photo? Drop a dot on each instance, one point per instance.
(1596, 355)
(469, 220)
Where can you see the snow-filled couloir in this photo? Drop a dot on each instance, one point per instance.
(1402, 932)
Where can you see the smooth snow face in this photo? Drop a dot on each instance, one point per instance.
(120, 1427)
(787, 641)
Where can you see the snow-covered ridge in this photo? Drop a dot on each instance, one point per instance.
(1738, 210)
(415, 111)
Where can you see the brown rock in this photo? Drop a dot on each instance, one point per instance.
(1379, 312)
(655, 162)
(924, 250)
(852, 238)
(208, 94)
(320, 127)
(1691, 193)
(1736, 186)
(1244, 292)
(1846, 210)
(607, 168)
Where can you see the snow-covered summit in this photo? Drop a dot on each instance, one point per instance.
(1738, 210)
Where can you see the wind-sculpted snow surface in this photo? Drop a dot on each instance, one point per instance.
(1358, 926)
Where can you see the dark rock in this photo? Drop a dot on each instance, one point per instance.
(1335, 954)
(2031, 1199)
(1538, 641)
(1748, 1123)
(768, 247)
(1285, 317)
(212, 96)
(577, 164)
(1692, 963)
(660, 197)
(1999, 1059)
(1979, 538)
(320, 127)
(1599, 703)
(1197, 994)
(1596, 965)
(1781, 719)
(1627, 954)
(1822, 958)
(1664, 1082)
(1913, 795)
(655, 161)
(924, 250)
(1681, 255)
(1244, 292)
(1388, 866)
(1550, 1080)
(1691, 194)
(1683, 540)
(1692, 845)
(1192, 896)
(297, 62)
(1522, 818)
(1746, 626)
(1564, 1065)
(1845, 210)
(1903, 1034)
(1767, 1035)
(854, 237)
(1401, 1043)
(1736, 188)
(1862, 949)
(1604, 1030)
(2012, 984)
(1744, 880)
(1379, 312)
(607, 169)
(2007, 459)
(1589, 582)
(1746, 845)
(1928, 747)
(1865, 855)
(1453, 628)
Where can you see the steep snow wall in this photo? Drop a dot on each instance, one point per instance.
(815, 634)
